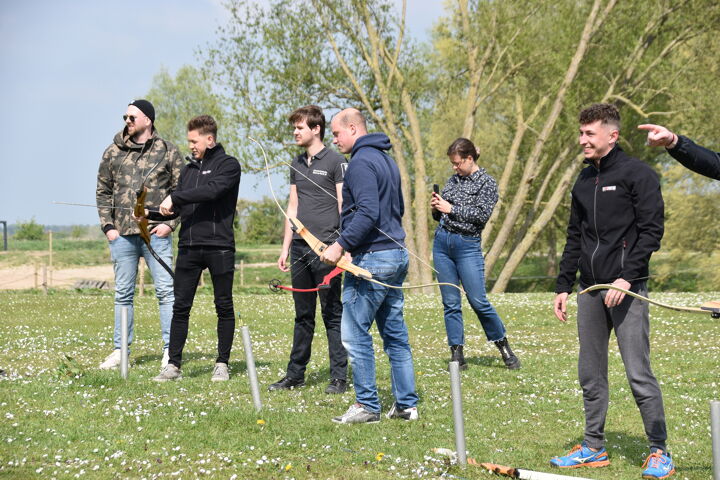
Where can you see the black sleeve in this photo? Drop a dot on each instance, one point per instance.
(571, 253)
(649, 221)
(696, 158)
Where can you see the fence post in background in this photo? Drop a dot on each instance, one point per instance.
(44, 283)
(458, 420)
(202, 278)
(124, 343)
(4, 224)
(141, 268)
(51, 257)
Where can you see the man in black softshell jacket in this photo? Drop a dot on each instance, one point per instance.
(205, 200)
(616, 223)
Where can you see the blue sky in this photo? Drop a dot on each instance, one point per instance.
(69, 68)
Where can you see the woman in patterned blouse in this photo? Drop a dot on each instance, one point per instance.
(463, 207)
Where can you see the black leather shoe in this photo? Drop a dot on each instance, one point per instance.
(337, 386)
(287, 383)
(456, 355)
(511, 361)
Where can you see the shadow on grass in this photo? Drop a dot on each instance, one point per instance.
(487, 361)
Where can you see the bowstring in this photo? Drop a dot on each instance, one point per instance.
(277, 202)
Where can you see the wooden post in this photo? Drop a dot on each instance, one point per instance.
(141, 272)
(44, 284)
(51, 255)
(242, 272)
(202, 278)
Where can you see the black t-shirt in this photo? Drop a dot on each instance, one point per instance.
(317, 194)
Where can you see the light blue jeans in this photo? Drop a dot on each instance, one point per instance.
(125, 252)
(365, 302)
(459, 260)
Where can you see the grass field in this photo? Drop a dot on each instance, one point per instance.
(94, 425)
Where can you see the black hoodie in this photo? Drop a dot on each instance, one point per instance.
(206, 199)
(616, 222)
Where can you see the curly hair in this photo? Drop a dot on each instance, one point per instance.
(607, 113)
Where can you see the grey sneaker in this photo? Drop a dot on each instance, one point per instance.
(220, 373)
(170, 372)
(406, 414)
(357, 414)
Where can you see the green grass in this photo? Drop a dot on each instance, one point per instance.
(97, 426)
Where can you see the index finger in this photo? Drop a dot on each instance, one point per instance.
(648, 126)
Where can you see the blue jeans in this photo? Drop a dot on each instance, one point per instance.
(459, 259)
(364, 302)
(126, 251)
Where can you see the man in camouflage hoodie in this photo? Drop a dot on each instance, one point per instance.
(138, 158)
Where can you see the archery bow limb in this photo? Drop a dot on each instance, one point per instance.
(318, 246)
(713, 308)
(139, 211)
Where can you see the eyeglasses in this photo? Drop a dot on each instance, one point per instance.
(132, 118)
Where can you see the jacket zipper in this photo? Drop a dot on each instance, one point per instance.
(622, 255)
(597, 234)
(197, 180)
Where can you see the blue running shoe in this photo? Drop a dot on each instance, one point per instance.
(658, 464)
(581, 456)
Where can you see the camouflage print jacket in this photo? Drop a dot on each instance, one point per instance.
(127, 167)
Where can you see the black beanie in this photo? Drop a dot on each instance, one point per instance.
(145, 107)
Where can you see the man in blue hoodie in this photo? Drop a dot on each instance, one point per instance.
(371, 226)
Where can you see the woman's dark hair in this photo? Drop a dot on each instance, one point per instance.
(463, 148)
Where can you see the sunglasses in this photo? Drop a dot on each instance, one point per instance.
(130, 117)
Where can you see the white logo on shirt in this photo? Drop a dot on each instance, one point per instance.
(319, 172)
(205, 172)
(611, 188)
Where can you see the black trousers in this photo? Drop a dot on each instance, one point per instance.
(307, 272)
(190, 264)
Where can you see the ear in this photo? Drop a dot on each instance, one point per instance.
(614, 135)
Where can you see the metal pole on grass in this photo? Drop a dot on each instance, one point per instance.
(458, 420)
(124, 343)
(715, 429)
(252, 373)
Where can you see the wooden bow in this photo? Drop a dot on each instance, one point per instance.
(713, 308)
(319, 247)
(139, 211)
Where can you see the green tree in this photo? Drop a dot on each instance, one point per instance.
(259, 222)
(178, 99)
(559, 58)
(30, 230)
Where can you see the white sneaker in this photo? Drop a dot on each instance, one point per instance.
(220, 373)
(111, 361)
(169, 373)
(165, 359)
(357, 414)
(410, 413)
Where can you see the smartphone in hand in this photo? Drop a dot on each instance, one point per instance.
(436, 189)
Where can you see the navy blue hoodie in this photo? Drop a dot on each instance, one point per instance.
(372, 197)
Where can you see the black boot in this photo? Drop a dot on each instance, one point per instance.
(456, 355)
(511, 361)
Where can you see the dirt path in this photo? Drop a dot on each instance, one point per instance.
(17, 278)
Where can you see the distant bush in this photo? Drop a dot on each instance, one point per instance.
(29, 230)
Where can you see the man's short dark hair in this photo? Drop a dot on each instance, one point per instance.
(607, 113)
(312, 115)
(204, 124)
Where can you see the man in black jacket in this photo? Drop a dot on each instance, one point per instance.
(696, 158)
(616, 223)
(205, 200)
